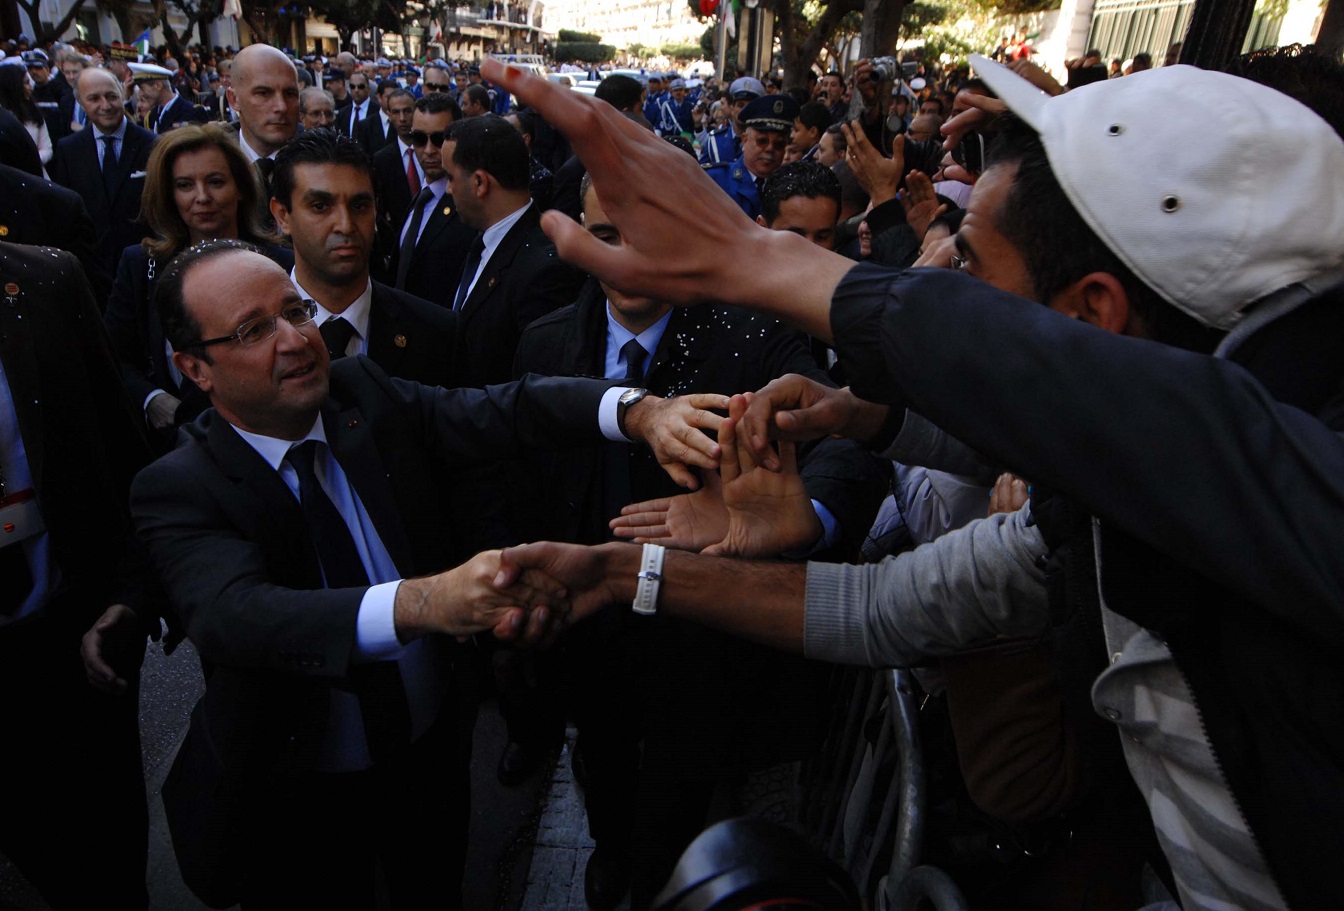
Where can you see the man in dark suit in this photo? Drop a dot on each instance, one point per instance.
(512, 274)
(433, 241)
(399, 175)
(377, 130)
(105, 164)
(17, 148)
(265, 93)
(73, 790)
(705, 706)
(288, 526)
(360, 109)
(324, 200)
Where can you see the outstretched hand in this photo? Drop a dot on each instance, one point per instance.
(585, 572)
(794, 407)
(689, 521)
(879, 175)
(768, 512)
(114, 648)
(672, 428)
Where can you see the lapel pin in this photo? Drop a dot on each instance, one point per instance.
(399, 341)
(352, 423)
(4, 230)
(11, 293)
(447, 210)
(491, 283)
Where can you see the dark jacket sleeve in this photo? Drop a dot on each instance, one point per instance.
(1186, 452)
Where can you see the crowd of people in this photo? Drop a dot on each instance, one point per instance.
(1025, 384)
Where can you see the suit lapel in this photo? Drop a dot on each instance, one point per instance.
(351, 439)
(130, 151)
(499, 262)
(682, 345)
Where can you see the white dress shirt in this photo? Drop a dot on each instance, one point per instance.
(491, 240)
(357, 315)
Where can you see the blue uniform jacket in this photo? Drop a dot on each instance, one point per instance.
(738, 183)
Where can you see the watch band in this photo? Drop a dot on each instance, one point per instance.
(650, 578)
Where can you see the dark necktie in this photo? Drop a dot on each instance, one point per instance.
(265, 167)
(382, 697)
(469, 271)
(110, 165)
(16, 578)
(337, 332)
(407, 252)
(618, 455)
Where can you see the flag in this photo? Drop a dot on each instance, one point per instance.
(730, 13)
(234, 9)
(438, 32)
(142, 43)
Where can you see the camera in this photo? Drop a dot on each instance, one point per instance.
(885, 68)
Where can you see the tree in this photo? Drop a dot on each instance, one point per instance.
(196, 12)
(346, 16)
(46, 31)
(1330, 36)
(584, 51)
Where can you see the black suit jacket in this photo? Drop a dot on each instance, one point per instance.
(523, 280)
(344, 114)
(17, 148)
(412, 339)
(39, 212)
(436, 265)
(179, 112)
(118, 218)
(80, 435)
(394, 193)
(371, 134)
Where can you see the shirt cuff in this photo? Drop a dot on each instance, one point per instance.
(830, 530)
(375, 625)
(149, 398)
(606, 414)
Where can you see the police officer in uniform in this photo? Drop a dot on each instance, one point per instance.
(767, 122)
(655, 97)
(725, 143)
(674, 112)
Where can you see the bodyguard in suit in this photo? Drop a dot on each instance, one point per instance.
(74, 819)
(399, 175)
(434, 242)
(377, 130)
(705, 706)
(512, 274)
(323, 199)
(768, 123)
(361, 107)
(294, 527)
(105, 165)
(265, 93)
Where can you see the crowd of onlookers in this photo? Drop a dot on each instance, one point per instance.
(1057, 425)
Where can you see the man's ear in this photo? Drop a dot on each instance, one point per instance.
(1097, 298)
(281, 215)
(760, 220)
(480, 182)
(232, 96)
(194, 369)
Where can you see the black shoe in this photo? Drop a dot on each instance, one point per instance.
(517, 762)
(606, 880)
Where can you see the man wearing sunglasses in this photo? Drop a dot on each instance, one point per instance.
(399, 177)
(432, 242)
(294, 527)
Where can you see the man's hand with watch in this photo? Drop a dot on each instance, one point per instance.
(674, 428)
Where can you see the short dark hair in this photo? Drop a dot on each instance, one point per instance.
(798, 178)
(837, 134)
(437, 103)
(315, 147)
(527, 122)
(400, 92)
(478, 94)
(815, 116)
(385, 84)
(1036, 214)
(179, 327)
(620, 91)
(490, 143)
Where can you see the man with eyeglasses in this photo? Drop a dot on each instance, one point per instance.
(317, 109)
(768, 121)
(294, 528)
(433, 242)
(436, 79)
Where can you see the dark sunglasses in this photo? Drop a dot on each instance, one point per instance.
(420, 137)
